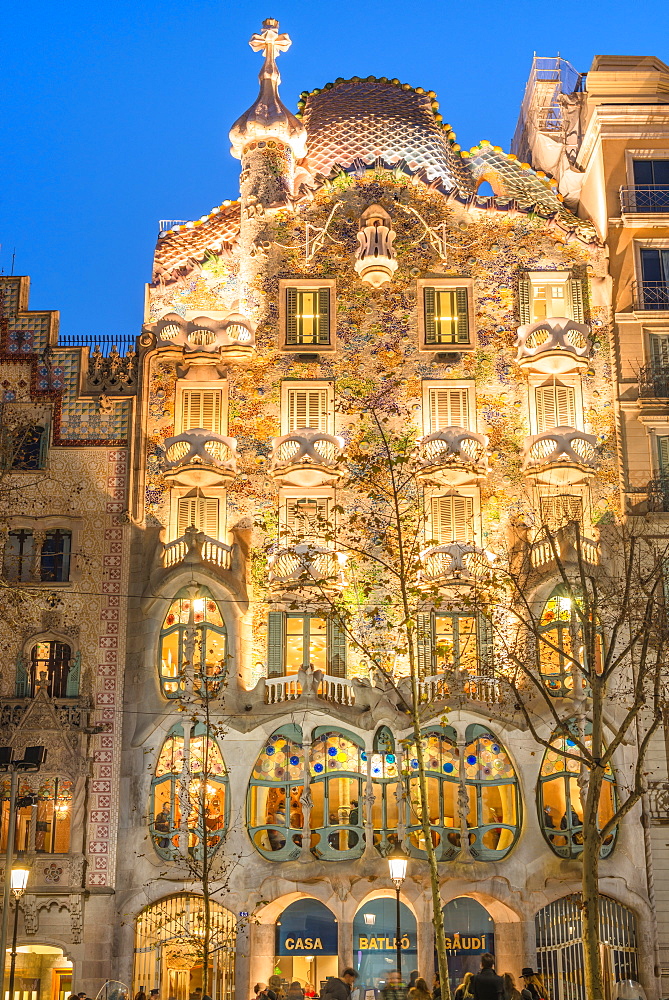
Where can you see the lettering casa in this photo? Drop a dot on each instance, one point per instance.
(382, 943)
(304, 944)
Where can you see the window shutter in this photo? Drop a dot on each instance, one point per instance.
(576, 290)
(485, 646)
(424, 644)
(73, 674)
(201, 408)
(430, 314)
(524, 301)
(323, 315)
(275, 642)
(463, 315)
(659, 349)
(200, 511)
(560, 510)
(555, 406)
(663, 455)
(291, 315)
(449, 407)
(306, 517)
(336, 649)
(21, 677)
(452, 519)
(307, 408)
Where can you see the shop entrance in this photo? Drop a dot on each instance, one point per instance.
(307, 944)
(42, 973)
(470, 931)
(374, 947)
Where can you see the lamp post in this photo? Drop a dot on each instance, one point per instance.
(397, 865)
(32, 760)
(18, 882)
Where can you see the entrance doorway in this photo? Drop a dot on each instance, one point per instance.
(42, 973)
(307, 943)
(374, 942)
(470, 931)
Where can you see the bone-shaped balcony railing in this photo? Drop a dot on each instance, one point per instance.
(553, 346)
(307, 565)
(200, 457)
(561, 454)
(306, 457)
(455, 563)
(453, 454)
(204, 334)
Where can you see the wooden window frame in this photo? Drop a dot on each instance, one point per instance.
(286, 283)
(468, 384)
(184, 386)
(471, 493)
(210, 493)
(542, 381)
(447, 284)
(307, 384)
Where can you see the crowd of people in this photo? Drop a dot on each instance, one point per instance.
(483, 985)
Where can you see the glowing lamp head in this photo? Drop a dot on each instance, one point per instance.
(198, 606)
(370, 919)
(397, 866)
(19, 880)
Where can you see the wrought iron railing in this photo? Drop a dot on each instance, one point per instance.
(651, 295)
(644, 198)
(658, 495)
(654, 382)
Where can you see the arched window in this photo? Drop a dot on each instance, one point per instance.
(193, 635)
(492, 787)
(338, 767)
(54, 659)
(385, 777)
(189, 795)
(560, 807)
(442, 776)
(561, 642)
(274, 811)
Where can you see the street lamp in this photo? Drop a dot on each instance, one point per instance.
(397, 865)
(32, 760)
(18, 883)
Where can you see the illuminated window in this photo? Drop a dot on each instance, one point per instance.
(561, 643)
(560, 807)
(54, 659)
(189, 810)
(452, 519)
(446, 316)
(442, 777)
(297, 641)
(385, 770)
(274, 810)
(193, 636)
(307, 316)
(43, 811)
(544, 294)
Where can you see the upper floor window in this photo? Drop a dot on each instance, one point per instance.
(651, 185)
(200, 406)
(304, 641)
(544, 294)
(452, 519)
(24, 447)
(561, 645)
(189, 804)
(659, 349)
(560, 510)
(654, 286)
(53, 659)
(560, 806)
(452, 640)
(304, 519)
(306, 314)
(55, 557)
(193, 637)
(447, 406)
(33, 557)
(274, 809)
(385, 771)
(42, 817)
(555, 406)
(200, 511)
(306, 406)
(445, 317)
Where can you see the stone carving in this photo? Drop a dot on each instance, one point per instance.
(115, 374)
(30, 919)
(375, 261)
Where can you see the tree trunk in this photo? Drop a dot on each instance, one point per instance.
(594, 984)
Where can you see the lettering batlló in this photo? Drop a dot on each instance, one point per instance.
(382, 943)
(304, 944)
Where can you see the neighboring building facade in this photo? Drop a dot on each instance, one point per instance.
(179, 485)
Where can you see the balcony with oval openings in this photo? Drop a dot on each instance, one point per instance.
(306, 457)
(453, 456)
(560, 456)
(553, 345)
(200, 457)
(232, 335)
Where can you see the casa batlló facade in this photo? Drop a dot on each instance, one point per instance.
(163, 516)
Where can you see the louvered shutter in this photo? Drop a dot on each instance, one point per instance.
(429, 306)
(306, 518)
(323, 315)
(560, 510)
(576, 291)
(555, 406)
(663, 455)
(200, 511)
(336, 649)
(424, 643)
(275, 644)
(659, 349)
(524, 300)
(449, 407)
(201, 408)
(73, 677)
(484, 633)
(307, 408)
(291, 315)
(452, 519)
(462, 313)
(21, 677)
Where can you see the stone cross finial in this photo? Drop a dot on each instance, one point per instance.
(272, 44)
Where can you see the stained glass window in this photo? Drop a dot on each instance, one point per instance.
(338, 768)
(193, 636)
(560, 805)
(560, 643)
(492, 789)
(442, 776)
(275, 796)
(43, 811)
(385, 771)
(189, 795)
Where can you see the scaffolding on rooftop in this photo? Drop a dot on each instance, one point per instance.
(541, 111)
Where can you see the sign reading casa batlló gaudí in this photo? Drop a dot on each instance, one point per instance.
(352, 549)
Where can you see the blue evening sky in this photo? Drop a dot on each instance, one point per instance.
(116, 113)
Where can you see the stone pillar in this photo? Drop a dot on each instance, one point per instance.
(261, 958)
(345, 943)
(513, 946)
(425, 932)
(243, 983)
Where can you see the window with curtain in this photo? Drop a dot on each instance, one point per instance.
(654, 278)
(189, 801)
(193, 636)
(559, 799)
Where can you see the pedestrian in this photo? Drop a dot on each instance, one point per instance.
(419, 990)
(413, 976)
(436, 987)
(464, 990)
(141, 995)
(511, 991)
(394, 988)
(276, 987)
(486, 984)
(339, 987)
(295, 991)
(534, 984)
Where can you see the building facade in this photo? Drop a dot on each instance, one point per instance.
(173, 522)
